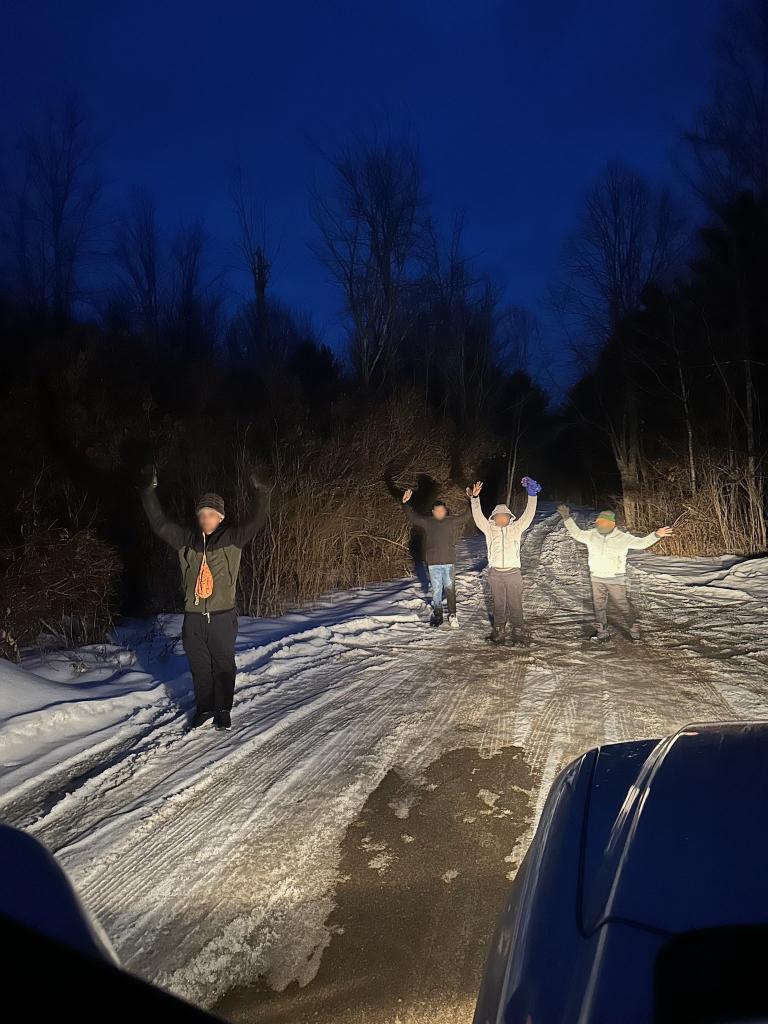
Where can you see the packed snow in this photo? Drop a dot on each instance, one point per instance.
(211, 859)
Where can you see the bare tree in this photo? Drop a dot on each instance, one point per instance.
(631, 236)
(256, 322)
(369, 228)
(137, 253)
(252, 240)
(460, 322)
(194, 307)
(53, 210)
(730, 138)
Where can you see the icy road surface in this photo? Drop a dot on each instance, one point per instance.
(213, 859)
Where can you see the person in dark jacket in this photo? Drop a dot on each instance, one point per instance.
(209, 557)
(440, 530)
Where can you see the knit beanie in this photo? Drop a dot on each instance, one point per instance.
(214, 501)
(606, 518)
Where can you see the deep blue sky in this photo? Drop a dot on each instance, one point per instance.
(517, 105)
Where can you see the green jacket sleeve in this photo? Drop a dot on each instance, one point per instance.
(245, 533)
(171, 533)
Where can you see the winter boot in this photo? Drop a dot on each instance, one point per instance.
(200, 718)
(453, 620)
(520, 636)
(601, 633)
(634, 632)
(222, 721)
(437, 617)
(497, 635)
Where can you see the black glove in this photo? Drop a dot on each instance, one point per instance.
(148, 478)
(259, 485)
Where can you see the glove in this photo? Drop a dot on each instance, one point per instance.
(148, 478)
(259, 485)
(531, 486)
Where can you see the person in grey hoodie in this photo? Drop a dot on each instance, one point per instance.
(503, 537)
(607, 548)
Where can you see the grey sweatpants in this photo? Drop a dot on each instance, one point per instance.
(507, 593)
(613, 592)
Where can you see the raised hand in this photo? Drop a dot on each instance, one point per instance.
(258, 485)
(149, 477)
(664, 531)
(530, 486)
(474, 490)
(564, 511)
(407, 494)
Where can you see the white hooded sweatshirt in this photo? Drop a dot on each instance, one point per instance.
(503, 541)
(607, 553)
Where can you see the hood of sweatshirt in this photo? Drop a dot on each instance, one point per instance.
(504, 510)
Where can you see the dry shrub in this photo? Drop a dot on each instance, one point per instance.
(334, 523)
(58, 586)
(724, 516)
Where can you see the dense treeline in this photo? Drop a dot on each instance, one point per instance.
(672, 404)
(157, 370)
(671, 400)
(122, 347)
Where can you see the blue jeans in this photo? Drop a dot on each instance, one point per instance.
(442, 578)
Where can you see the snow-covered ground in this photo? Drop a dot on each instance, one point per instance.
(211, 859)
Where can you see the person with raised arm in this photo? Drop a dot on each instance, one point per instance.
(503, 537)
(440, 531)
(209, 554)
(607, 548)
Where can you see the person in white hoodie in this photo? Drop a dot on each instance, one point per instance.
(607, 549)
(503, 536)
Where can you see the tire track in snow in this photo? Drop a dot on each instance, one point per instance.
(204, 839)
(185, 828)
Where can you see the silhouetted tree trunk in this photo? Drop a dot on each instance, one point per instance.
(252, 246)
(137, 253)
(630, 238)
(369, 241)
(54, 211)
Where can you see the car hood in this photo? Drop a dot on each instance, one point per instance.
(675, 832)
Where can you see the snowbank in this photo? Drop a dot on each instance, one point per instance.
(54, 708)
(729, 576)
(103, 699)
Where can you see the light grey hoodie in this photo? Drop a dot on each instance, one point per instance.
(503, 541)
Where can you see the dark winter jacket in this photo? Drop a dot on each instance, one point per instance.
(222, 548)
(440, 535)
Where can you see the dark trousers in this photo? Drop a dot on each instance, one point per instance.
(507, 593)
(210, 649)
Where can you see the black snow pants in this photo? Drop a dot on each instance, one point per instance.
(210, 648)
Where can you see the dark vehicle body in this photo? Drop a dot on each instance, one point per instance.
(643, 898)
(57, 964)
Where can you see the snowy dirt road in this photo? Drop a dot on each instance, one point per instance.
(213, 861)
